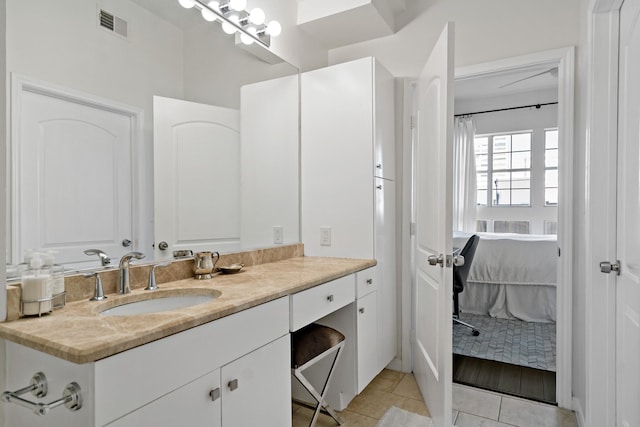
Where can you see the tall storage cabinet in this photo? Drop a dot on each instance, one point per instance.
(347, 177)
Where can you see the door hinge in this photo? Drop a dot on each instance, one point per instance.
(412, 123)
(412, 229)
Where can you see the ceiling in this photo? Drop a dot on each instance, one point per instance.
(529, 79)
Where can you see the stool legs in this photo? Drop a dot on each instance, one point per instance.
(319, 397)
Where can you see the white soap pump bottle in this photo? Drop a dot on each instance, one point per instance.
(36, 288)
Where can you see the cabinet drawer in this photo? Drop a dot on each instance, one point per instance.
(315, 303)
(366, 281)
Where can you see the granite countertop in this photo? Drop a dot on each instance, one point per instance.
(78, 333)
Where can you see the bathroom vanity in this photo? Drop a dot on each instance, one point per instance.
(225, 362)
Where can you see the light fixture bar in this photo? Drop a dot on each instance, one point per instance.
(260, 37)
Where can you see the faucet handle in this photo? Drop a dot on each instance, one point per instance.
(104, 259)
(98, 294)
(151, 284)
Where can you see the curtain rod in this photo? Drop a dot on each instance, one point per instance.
(506, 109)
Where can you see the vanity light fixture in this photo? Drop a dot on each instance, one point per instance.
(234, 18)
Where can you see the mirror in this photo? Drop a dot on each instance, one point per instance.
(159, 49)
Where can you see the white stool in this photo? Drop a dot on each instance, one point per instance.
(309, 345)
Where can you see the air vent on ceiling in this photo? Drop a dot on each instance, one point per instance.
(112, 23)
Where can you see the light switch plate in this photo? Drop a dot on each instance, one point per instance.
(277, 235)
(325, 236)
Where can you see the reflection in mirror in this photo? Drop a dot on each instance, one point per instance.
(76, 192)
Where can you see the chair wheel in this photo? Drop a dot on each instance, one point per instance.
(475, 332)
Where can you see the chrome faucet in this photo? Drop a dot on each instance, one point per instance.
(123, 286)
(104, 259)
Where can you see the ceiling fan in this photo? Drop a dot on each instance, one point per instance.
(553, 72)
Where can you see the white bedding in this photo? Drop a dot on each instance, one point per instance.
(512, 276)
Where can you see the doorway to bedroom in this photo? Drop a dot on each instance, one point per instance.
(507, 190)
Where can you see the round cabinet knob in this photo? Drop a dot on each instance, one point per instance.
(330, 298)
(163, 246)
(361, 310)
(126, 243)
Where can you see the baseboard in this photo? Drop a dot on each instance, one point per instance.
(577, 408)
(395, 365)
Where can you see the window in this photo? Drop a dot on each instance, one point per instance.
(551, 167)
(503, 166)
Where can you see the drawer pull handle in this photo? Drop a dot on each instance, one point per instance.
(369, 281)
(71, 396)
(233, 384)
(330, 298)
(361, 310)
(214, 394)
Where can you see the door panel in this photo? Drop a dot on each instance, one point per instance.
(628, 241)
(73, 157)
(196, 176)
(433, 216)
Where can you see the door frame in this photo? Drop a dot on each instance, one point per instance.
(21, 83)
(599, 200)
(564, 58)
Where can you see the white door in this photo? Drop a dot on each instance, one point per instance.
(433, 177)
(196, 176)
(73, 181)
(628, 239)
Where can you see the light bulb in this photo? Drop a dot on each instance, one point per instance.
(214, 4)
(274, 28)
(257, 16)
(208, 15)
(228, 28)
(238, 4)
(244, 38)
(187, 4)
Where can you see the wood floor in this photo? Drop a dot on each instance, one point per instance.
(505, 378)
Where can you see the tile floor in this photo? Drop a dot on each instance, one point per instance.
(471, 407)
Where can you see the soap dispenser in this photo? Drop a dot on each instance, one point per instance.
(36, 288)
(56, 271)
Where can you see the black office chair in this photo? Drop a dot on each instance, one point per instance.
(460, 275)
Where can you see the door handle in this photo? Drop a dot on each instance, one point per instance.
(608, 267)
(435, 260)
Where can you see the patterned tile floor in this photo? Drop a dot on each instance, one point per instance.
(517, 342)
(472, 407)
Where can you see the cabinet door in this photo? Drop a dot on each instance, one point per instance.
(195, 404)
(337, 160)
(384, 121)
(367, 331)
(257, 387)
(385, 248)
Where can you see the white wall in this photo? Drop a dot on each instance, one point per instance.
(536, 120)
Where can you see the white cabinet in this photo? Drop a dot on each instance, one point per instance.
(347, 176)
(145, 385)
(367, 339)
(209, 402)
(194, 399)
(255, 392)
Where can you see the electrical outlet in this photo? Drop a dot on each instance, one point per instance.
(277, 235)
(325, 236)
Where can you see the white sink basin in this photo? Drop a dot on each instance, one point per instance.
(157, 305)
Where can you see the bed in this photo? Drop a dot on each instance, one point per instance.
(512, 276)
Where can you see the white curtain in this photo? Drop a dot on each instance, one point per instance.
(464, 175)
